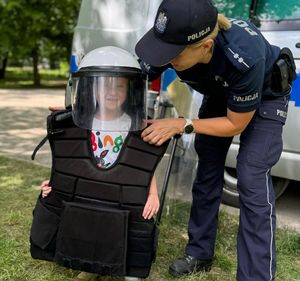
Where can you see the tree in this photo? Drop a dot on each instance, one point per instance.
(33, 28)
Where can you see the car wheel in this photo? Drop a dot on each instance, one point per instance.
(230, 195)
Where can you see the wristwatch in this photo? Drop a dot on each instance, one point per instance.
(188, 127)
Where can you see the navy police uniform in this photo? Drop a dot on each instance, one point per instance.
(238, 77)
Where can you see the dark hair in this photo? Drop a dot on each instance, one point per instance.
(85, 102)
(135, 106)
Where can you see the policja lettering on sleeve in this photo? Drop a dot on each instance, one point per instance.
(245, 98)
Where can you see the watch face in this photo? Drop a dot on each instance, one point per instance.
(189, 129)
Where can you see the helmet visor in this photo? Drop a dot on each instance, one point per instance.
(109, 103)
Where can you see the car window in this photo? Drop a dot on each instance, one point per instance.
(278, 9)
(234, 8)
(268, 15)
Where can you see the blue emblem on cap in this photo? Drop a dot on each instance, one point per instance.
(161, 22)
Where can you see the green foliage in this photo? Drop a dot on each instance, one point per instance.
(19, 188)
(42, 25)
(21, 77)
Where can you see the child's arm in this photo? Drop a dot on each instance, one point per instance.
(152, 205)
(46, 189)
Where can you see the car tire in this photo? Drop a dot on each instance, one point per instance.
(230, 195)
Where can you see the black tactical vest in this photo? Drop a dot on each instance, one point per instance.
(92, 220)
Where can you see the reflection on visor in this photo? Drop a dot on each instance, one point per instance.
(109, 103)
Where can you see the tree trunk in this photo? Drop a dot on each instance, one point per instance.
(3, 67)
(53, 61)
(35, 61)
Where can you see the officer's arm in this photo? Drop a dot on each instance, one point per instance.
(239, 120)
(233, 124)
(163, 129)
(244, 98)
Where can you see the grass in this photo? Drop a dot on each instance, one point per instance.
(19, 188)
(21, 78)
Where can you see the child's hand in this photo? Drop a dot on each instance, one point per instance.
(46, 189)
(152, 206)
(55, 107)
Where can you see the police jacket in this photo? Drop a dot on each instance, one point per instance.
(92, 219)
(239, 74)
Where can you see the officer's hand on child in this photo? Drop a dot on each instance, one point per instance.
(151, 207)
(46, 189)
(161, 130)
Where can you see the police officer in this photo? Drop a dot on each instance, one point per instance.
(246, 88)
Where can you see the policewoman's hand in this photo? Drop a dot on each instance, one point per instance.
(161, 130)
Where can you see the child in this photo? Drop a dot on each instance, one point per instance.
(110, 126)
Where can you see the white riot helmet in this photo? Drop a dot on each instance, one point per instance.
(109, 91)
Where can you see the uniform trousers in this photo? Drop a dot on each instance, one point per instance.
(260, 149)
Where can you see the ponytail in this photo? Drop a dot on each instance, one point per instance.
(223, 23)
